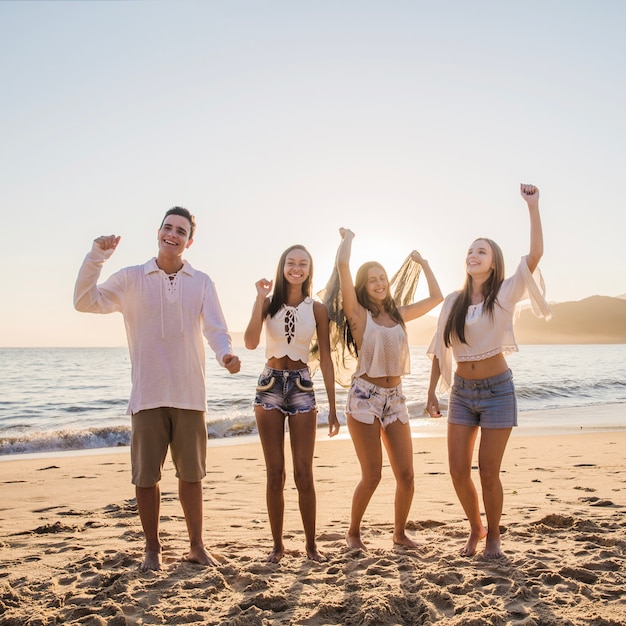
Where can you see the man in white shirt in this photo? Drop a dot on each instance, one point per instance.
(167, 306)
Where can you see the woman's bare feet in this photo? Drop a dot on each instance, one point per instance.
(197, 554)
(314, 555)
(405, 541)
(152, 561)
(354, 542)
(276, 554)
(492, 547)
(472, 542)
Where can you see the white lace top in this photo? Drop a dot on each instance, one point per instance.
(384, 351)
(290, 331)
(487, 336)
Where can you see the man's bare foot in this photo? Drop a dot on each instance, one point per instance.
(197, 554)
(276, 555)
(472, 542)
(152, 561)
(492, 548)
(354, 542)
(314, 555)
(405, 542)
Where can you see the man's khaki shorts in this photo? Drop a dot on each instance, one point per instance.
(154, 430)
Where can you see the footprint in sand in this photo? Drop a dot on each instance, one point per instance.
(555, 520)
(57, 527)
(595, 501)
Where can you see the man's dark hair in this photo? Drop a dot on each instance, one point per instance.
(179, 210)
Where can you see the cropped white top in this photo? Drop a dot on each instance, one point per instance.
(384, 351)
(487, 336)
(290, 331)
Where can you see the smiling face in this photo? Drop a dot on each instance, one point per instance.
(297, 267)
(376, 284)
(480, 259)
(174, 236)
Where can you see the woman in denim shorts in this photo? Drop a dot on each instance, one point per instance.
(476, 328)
(376, 410)
(285, 389)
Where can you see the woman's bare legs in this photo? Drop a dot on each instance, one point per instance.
(367, 444)
(461, 440)
(302, 429)
(397, 439)
(490, 453)
(271, 426)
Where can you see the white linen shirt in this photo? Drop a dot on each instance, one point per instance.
(487, 336)
(165, 321)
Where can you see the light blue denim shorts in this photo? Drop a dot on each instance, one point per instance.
(288, 391)
(367, 402)
(488, 403)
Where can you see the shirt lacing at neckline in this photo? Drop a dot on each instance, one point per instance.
(174, 287)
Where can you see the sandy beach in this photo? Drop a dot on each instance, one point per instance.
(71, 543)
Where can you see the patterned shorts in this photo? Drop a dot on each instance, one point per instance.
(288, 391)
(367, 402)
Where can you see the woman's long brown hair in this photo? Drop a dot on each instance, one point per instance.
(455, 324)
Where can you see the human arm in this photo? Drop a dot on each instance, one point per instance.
(435, 297)
(252, 336)
(89, 297)
(215, 330)
(354, 312)
(326, 364)
(432, 403)
(530, 193)
(437, 350)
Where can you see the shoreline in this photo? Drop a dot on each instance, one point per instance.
(544, 422)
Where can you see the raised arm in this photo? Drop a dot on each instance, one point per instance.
(354, 312)
(435, 297)
(89, 297)
(530, 193)
(252, 336)
(326, 364)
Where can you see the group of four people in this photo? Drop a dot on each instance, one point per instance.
(168, 306)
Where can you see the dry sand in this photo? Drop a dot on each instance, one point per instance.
(71, 543)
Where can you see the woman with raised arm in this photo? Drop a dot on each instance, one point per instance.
(476, 329)
(285, 389)
(376, 407)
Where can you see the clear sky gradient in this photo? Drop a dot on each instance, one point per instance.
(412, 123)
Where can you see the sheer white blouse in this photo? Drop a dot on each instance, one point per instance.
(485, 335)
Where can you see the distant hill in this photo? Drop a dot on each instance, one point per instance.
(598, 319)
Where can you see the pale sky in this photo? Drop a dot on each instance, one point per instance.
(412, 123)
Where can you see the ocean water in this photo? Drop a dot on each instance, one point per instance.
(61, 399)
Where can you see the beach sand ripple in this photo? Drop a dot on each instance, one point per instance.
(70, 555)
